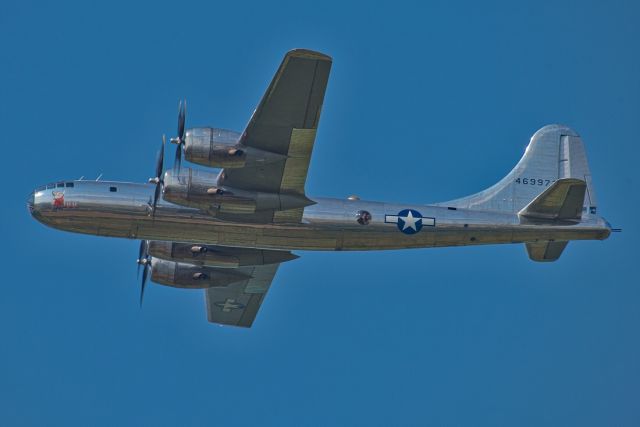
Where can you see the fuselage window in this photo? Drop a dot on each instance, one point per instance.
(60, 185)
(113, 189)
(363, 217)
(68, 184)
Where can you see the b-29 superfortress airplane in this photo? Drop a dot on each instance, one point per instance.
(228, 232)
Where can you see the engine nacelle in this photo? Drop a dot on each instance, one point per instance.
(198, 188)
(214, 147)
(221, 148)
(215, 256)
(182, 275)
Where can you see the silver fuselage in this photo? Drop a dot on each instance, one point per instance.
(119, 209)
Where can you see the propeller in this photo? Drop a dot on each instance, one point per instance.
(144, 260)
(157, 180)
(179, 140)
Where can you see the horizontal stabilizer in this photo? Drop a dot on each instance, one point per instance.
(563, 200)
(545, 251)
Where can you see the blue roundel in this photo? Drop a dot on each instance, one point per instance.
(409, 221)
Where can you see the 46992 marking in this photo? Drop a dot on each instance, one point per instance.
(535, 181)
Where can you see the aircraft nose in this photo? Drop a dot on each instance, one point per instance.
(31, 202)
(35, 203)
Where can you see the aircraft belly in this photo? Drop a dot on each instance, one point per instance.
(329, 225)
(316, 237)
(89, 223)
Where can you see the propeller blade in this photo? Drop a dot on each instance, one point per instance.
(142, 253)
(179, 140)
(178, 160)
(182, 113)
(159, 177)
(144, 260)
(160, 161)
(145, 272)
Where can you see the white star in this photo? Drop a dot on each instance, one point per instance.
(410, 221)
(228, 305)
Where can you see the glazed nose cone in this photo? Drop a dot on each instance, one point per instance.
(31, 202)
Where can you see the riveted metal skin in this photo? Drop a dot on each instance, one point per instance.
(489, 217)
(330, 224)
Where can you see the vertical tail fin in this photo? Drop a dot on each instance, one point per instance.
(555, 152)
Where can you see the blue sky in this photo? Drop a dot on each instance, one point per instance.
(427, 101)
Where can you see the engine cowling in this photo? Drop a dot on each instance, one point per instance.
(198, 188)
(215, 256)
(183, 275)
(221, 148)
(214, 147)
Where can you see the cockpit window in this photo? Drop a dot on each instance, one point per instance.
(60, 184)
(113, 189)
(49, 186)
(40, 188)
(68, 184)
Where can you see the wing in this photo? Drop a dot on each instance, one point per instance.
(237, 304)
(285, 123)
(235, 280)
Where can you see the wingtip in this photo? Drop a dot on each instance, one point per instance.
(310, 54)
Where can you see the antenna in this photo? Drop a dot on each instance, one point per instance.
(81, 178)
(98, 178)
